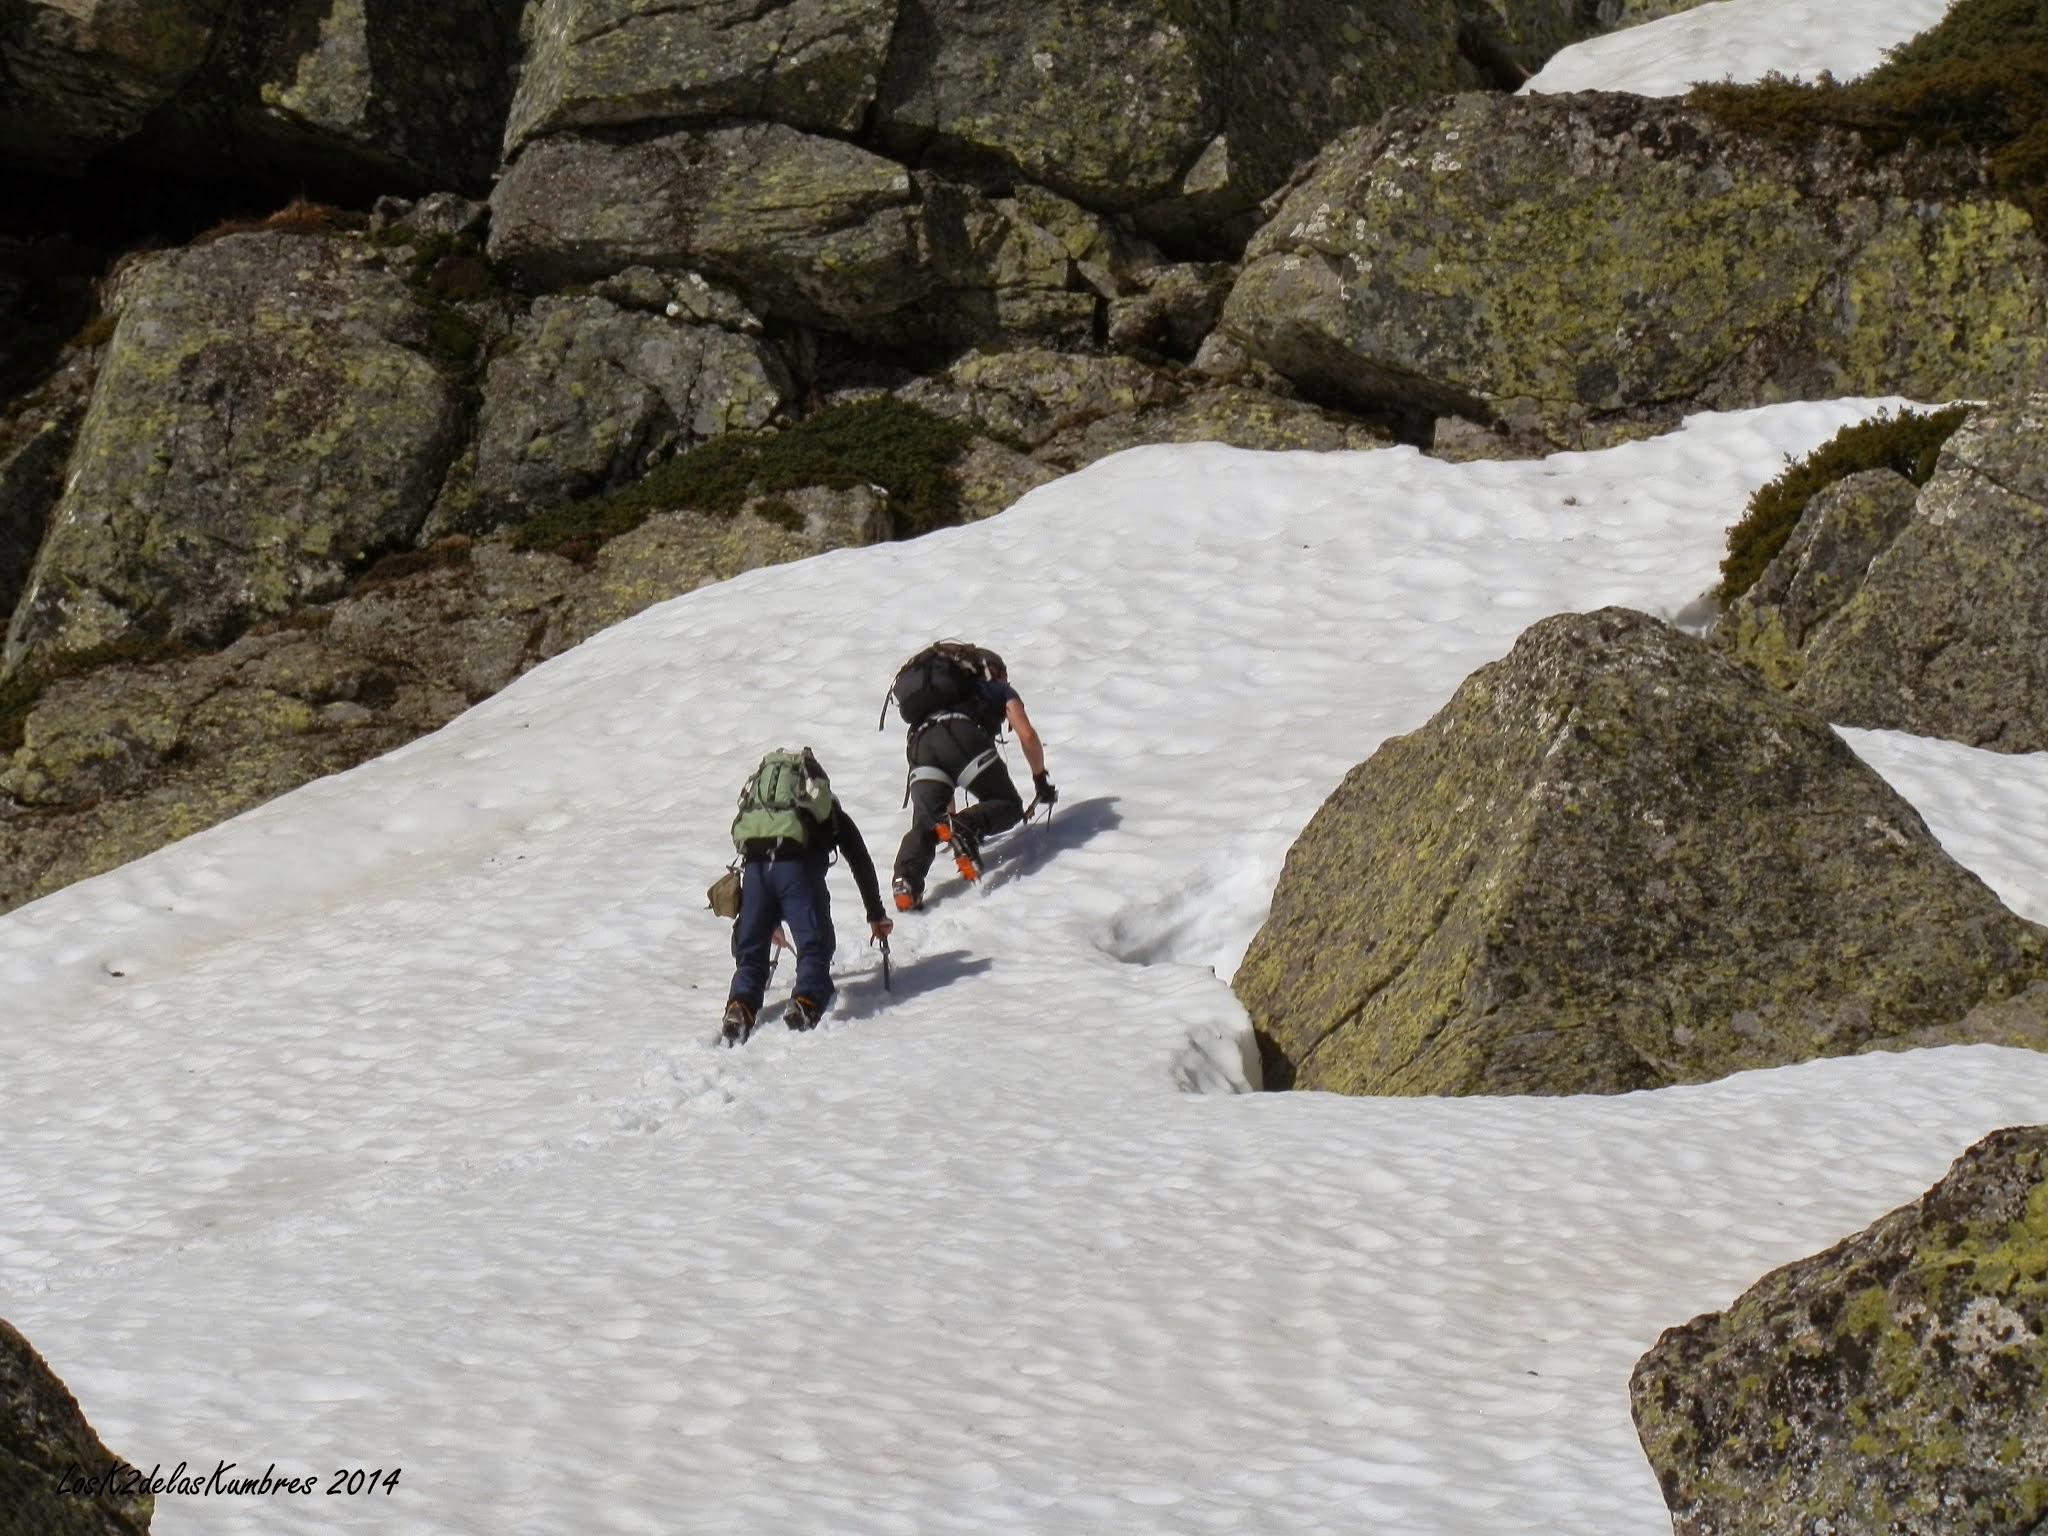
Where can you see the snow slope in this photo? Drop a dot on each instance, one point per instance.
(383, 1127)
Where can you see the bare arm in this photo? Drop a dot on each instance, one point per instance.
(1027, 735)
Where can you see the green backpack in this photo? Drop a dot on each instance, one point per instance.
(787, 798)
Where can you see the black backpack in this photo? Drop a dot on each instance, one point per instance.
(941, 678)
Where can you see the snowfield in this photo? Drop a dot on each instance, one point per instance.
(383, 1127)
(1739, 40)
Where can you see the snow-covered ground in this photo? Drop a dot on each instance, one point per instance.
(1740, 40)
(383, 1127)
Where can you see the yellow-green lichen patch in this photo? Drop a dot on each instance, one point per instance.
(259, 424)
(1598, 868)
(812, 65)
(1893, 1383)
(1558, 263)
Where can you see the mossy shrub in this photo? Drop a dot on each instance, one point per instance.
(780, 511)
(905, 449)
(297, 217)
(1908, 443)
(96, 332)
(1978, 79)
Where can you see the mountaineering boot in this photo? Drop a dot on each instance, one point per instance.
(966, 848)
(801, 1013)
(739, 1023)
(908, 897)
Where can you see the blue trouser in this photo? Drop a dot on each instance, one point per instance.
(787, 890)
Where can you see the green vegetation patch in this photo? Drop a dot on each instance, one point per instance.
(905, 449)
(1908, 443)
(1978, 79)
(20, 692)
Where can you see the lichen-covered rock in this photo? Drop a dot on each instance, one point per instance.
(1842, 530)
(1579, 261)
(1304, 74)
(1896, 1383)
(1183, 113)
(121, 760)
(812, 64)
(2020, 1020)
(684, 296)
(87, 742)
(439, 215)
(591, 396)
(1530, 31)
(1069, 409)
(993, 476)
(1098, 246)
(1227, 414)
(1947, 635)
(401, 93)
(998, 274)
(44, 1436)
(1026, 394)
(31, 474)
(82, 75)
(1615, 860)
(458, 633)
(1108, 104)
(267, 414)
(677, 552)
(807, 228)
(1610, 15)
(1171, 309)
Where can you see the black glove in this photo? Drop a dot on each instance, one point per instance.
(1047, 795)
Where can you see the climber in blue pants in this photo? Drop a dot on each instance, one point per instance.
(789, 826)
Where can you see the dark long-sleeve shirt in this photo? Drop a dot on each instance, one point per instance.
(841, 833)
